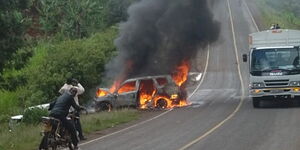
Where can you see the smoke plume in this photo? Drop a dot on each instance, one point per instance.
(159, 35)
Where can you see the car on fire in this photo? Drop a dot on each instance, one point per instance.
(143, 92)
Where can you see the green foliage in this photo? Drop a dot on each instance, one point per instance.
(9, 104)
(23, 137)
(27, 136)
(20, 58)
(33, 74)
(115, 11)
(286, 13)
(8, 101)
(103, 120)
(14, 4)
(13, 76)
(13, 25)
(39, 81)
(69, 17)
(33, 116)
(53, 63)
(287, 5)
(80, 18)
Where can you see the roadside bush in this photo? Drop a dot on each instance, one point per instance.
(285, 13)
(52, 64)
(4, 118)
(9, 104)
(33, 116)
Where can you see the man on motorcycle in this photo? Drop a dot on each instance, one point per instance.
(60, 109)
(71, 82)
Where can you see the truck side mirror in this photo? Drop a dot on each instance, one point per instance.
(245, 58)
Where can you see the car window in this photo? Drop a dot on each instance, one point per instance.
(162, 81)
(147, 86)
(127, 87)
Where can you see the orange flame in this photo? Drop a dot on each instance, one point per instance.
(148, 96)
(115, 86)
(147, 91)
(145, 99)
(101, 93)
(181, 73)
(121, 77)
(169, 101)
(182, 103)
(127, 87)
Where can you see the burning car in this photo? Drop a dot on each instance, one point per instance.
(142, 92)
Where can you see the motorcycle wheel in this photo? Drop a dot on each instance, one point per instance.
(71, 146)
(54, 147)
(44, 142)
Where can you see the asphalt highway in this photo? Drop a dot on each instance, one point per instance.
(221, 115)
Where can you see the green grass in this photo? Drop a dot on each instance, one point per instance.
(9, 105)
(285, 18)
(99, 121)
(27, 137)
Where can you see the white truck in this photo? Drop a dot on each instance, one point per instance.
(274, 65)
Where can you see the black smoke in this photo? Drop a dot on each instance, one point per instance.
(160, 34)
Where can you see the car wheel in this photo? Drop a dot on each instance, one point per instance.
(162, 104)
(104, 107)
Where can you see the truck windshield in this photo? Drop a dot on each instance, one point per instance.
(281, 61)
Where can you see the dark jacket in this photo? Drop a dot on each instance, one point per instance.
(61, 106)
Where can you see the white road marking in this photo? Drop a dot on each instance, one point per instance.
(242, 85)
(204, 73)
(251, 16)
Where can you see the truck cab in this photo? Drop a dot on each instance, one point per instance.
(274, 65)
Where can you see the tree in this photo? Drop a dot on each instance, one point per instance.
(52, 64)
(73, 18)
(80, 18)
(13, 25)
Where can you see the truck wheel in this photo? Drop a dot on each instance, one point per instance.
(162, 104)
(256, 102)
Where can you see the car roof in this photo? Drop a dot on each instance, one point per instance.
(147, 77)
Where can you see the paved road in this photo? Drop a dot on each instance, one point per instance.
(221, 117)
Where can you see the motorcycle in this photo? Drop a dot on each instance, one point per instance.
(55, 135)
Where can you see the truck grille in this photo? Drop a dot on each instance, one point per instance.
(276, 83)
